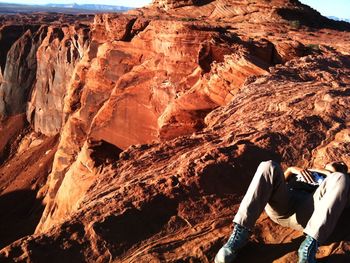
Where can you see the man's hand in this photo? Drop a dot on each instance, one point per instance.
(291, 170)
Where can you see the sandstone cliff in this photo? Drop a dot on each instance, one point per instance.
(162, 115)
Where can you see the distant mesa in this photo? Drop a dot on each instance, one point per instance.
(8, 8)
(339, 19)
(90, 7)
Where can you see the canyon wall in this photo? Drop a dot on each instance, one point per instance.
(18, 65)
(57, 57)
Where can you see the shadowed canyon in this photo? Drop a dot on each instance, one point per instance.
(132, 137)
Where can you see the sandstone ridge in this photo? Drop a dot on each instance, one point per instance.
(147, 127)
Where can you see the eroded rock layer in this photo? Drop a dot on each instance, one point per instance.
(147, 127)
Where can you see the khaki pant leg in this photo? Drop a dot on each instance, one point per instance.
(268, 186)
(329, 200)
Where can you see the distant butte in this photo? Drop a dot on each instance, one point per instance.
(132, 137)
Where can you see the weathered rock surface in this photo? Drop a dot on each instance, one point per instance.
(20, 38)
(174, 201)
(57, 56)
(163, 115)
(20, 72)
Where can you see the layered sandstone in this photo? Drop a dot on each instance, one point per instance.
(131, 96)
(174, 201)
(163, 114)
(26, 156)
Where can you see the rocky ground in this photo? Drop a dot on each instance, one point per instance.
(132, 137)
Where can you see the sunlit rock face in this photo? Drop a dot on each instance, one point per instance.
(163, 63)
(151, 80)
(147, 127)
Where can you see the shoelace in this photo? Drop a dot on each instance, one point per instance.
(311, 246)
(237, 231)
(309, 251)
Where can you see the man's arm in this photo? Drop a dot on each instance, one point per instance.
(290, 171)
(321, 171)
(305, 173)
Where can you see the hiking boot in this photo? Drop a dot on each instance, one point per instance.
(307, 250)
(238, 239)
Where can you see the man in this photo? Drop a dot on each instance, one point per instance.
(307, 200)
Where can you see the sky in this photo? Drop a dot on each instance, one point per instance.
(338, 8)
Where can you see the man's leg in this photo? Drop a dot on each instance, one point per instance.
(267, 187)
(330, 199)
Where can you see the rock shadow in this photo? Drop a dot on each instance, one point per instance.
(104, 152)
(267, 253)
(134, 225)
(342, 229)
(335, 259)
(20, 213)
(234, 176)
(202, 2)
(312, 20)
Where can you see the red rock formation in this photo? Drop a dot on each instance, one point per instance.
(145, 85)
(57, 57)
(20, 37)
(174, 200)
(26, 157)
(196, 94)
(20, 72)
(8, 35)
